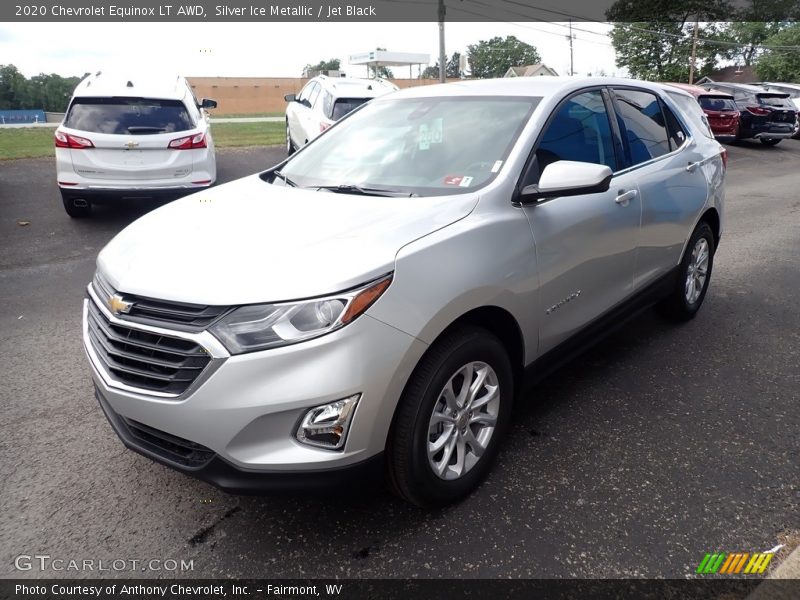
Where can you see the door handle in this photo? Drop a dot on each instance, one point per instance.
(692, 166)
(624, 197)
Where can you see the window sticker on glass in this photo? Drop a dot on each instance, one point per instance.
(496, 166)
(465, 181)
(455, 179)
(430, 133)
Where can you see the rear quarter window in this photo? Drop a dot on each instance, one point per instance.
(128, 116)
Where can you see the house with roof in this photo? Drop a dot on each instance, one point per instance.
(537, 70)
(735, 74)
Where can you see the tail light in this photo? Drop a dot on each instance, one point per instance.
(723, 152)
(323, 126)
(190, 142)
(758, 110)
(67, 140)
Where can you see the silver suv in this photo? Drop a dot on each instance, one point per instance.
(374, 301)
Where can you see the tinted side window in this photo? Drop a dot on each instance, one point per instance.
(579, 131)
(306, 91)
(645, 127)
(677, 135)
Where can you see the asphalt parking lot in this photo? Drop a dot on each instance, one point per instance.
(660, 444)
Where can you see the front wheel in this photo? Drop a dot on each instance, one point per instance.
(694, 275)
(770, 141)
(451, 418)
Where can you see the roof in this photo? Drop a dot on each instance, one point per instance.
(168, 87)
(696, 90)
(528, 70)
(518, 86)
(745, 87)
(353, 86)
(735, 74)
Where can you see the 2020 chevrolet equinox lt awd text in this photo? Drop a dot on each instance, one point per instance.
(375, 299)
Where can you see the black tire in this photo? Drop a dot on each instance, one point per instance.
(796, 134)
(410, 473)
(677, 305)
(290, 149)
(75, 211)
(770, 141)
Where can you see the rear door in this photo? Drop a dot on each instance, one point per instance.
(585, 245)
(667, 165)
(131, 138)
(721, 111)
(781, 113)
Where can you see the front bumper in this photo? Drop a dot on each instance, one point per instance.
(245, 409)
(217, 471)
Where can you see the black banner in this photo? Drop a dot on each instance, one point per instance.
(386, 10)
(425, 589)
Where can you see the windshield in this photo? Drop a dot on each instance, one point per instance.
(419, 146)
(717, 103)
(128, 116)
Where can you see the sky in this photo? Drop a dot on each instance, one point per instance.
(274, 50)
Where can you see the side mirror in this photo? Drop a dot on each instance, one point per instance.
(208, 103)
(290, 97)
(568, 178)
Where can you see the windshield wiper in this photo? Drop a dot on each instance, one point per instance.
(349, 188)
(288, 181)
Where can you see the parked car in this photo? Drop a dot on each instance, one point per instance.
(132, 137)
(793, 89)
(323, 101)
(764, 115)
(719, 108)
(375, 301)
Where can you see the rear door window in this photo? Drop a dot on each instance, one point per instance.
(128, 116)
(691, 109)
(645, 126)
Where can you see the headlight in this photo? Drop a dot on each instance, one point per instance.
(261, 326)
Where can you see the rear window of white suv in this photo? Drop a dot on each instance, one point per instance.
(128, 116)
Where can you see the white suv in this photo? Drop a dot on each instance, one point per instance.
(323, 101)
(133, 137)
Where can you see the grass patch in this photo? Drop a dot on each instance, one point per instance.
(26, 142)
(37, 142)
(216, 115)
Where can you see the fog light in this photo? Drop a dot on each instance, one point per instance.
(326, 426)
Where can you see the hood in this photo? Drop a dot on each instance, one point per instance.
(249, 241)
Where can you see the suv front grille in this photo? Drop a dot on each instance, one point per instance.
(142, 359)
(149, 311)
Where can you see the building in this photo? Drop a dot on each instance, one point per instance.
(736, 74)
(537, 70)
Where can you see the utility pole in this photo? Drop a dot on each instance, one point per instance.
(442, 57)
(571, 37)
(694, 51)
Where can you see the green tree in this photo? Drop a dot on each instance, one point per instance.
(749, 37)
(781, 64)
(452, 70)
(492, 58)
(332, 64)
(653, 39)
(13, 88)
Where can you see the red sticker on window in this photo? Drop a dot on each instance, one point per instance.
(453, 179)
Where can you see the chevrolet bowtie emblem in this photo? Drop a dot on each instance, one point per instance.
(131, 144)
(118, 306)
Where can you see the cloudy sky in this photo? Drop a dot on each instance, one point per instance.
(273, 50)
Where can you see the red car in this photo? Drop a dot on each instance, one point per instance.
(720, 109)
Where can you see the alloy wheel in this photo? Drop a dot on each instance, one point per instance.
(463, 420)
(697, 271)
